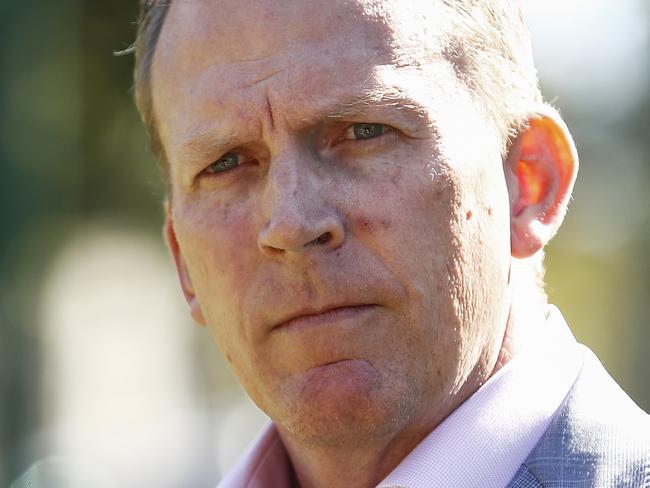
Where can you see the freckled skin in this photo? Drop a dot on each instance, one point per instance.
(401, 239)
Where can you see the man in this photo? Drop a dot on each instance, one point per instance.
(359, 194)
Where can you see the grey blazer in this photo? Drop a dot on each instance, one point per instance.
(598, 438)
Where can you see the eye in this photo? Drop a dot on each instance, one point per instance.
(363, 131)
(225, 163)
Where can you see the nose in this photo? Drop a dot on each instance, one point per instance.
(299, 212)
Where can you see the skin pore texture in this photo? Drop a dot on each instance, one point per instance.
(343, 221)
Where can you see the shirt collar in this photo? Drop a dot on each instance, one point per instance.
(265, 464)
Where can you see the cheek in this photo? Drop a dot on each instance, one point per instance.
(411, 221)
(479, 272)
(409, 217)
(217, 241)
(487, 227)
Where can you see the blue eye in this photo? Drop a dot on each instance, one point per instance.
(364, 131)
(226, 162)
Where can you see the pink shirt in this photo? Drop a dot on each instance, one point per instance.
(482, 443)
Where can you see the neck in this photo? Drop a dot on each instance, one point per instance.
(527, 312)
(363, 465)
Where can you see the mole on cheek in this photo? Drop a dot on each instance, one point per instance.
(364, 223)
(469, 214)
(225, 210)
(370, 224)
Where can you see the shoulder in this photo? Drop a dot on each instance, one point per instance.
(598, 438)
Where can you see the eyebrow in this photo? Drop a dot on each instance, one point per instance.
(372, 101)
(410, 113)
(207, 139)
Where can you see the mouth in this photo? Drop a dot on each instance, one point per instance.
(339, 315)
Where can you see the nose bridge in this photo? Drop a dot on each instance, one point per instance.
(297, 214)
(289, 184)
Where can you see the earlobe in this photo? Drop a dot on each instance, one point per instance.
(540, 172)
(181, 268)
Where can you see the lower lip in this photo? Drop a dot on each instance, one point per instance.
(335, 316)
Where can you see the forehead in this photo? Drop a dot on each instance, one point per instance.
(213, 56)
(253, 29)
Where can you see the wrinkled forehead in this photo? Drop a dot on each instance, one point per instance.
(225, 56)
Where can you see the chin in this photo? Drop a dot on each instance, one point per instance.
(344, 403)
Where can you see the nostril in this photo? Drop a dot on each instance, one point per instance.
(323, 238)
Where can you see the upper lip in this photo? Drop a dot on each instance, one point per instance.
(311, 311)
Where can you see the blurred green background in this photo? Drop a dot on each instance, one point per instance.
(98, 361)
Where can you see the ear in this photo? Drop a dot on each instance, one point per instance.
(181, 268)
(540, 171)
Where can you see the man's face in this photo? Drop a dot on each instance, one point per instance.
(338, 206)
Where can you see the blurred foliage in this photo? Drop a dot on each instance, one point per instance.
(72, 151)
